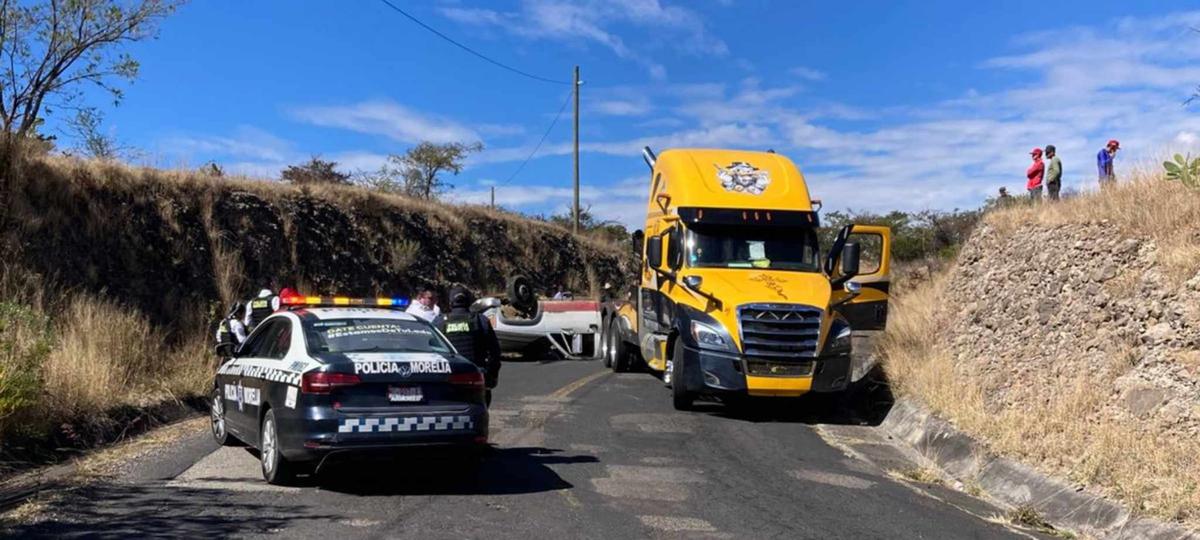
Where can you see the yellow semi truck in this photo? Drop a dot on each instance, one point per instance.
(734, 295)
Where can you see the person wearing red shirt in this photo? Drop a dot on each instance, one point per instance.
(1034, 173)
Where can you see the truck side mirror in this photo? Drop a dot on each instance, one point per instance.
(654, 252)
(638, 242)
(850, 259)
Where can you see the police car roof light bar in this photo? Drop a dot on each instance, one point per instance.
(338, 301)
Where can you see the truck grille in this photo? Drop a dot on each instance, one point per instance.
(779, 339)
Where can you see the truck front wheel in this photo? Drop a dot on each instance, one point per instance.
(680, 397)
(618, 355)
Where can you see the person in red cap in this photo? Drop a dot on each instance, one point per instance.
(1104, 162)
(1034, 173)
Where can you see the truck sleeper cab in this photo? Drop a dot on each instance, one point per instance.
(734, 297)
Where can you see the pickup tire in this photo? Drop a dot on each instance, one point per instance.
(680, 397)
(618, 354)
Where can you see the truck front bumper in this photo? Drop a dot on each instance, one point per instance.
(715, 373)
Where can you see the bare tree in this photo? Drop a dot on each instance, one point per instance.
(49, 47)
(93, 142)
(422, 166)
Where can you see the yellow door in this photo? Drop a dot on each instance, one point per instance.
(868, 310)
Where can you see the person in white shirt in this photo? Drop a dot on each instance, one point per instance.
(425, 307)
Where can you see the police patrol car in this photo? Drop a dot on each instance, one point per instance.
(324, 376)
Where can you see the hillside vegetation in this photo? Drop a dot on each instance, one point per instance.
(111, 276)
(1066, 335)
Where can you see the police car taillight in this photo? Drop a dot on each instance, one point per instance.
(473, 379)
(316, 382)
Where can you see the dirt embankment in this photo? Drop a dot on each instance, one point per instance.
(166, 242)
(1066, 335)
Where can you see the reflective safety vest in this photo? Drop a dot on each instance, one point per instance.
(260, 308)
(462, 329)
(225, 334)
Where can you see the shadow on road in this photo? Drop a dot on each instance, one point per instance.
(867, 402)
(502, 471)
(103, 511)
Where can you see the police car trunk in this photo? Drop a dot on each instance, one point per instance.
(391, 379)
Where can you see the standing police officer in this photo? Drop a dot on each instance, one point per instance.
(259, 308)
(473, 336)
(231, 332)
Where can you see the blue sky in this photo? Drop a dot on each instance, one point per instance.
(925, 105)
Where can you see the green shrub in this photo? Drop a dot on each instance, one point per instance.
(25, 342)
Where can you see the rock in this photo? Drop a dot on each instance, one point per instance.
(1144, 399)
(1158, 333)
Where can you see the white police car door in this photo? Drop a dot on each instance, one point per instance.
(244, 394)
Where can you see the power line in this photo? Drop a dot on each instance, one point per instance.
(470, 50)
(540, 142)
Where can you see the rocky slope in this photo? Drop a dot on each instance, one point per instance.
(1036, 310)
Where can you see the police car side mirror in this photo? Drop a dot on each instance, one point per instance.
(484, 304)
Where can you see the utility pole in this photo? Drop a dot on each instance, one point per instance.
(493, 196)
(575, 209)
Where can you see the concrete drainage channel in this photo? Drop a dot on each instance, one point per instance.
(1062, 505)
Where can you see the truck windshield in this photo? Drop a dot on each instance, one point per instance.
(372, 335)
(752, 246)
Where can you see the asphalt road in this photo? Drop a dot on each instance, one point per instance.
(579, 453)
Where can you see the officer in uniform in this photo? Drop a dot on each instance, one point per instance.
(259, 308)
(231, 332)
(473, 336)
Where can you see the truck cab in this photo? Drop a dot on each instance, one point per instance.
(735, 296)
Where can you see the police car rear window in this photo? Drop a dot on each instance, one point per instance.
(372, 335)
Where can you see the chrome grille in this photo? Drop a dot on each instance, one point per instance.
(779, 334)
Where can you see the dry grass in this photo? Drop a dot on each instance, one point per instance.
(1067, 435)
(101, 348)
(95, 355)
(106, 355)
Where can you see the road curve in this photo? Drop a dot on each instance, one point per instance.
(580, 453)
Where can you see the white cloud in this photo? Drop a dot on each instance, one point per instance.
(389, 119)
(808, 74)
(595, 21)
(245, 142)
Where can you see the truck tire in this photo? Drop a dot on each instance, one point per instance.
(618, 353)
(605, 345)
(680, 397)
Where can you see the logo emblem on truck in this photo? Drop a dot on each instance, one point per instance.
(742, 177)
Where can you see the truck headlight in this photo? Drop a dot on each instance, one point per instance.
(708, 337)
(839, 339)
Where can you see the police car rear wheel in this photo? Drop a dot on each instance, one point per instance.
(217, 416)
(276, 469)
